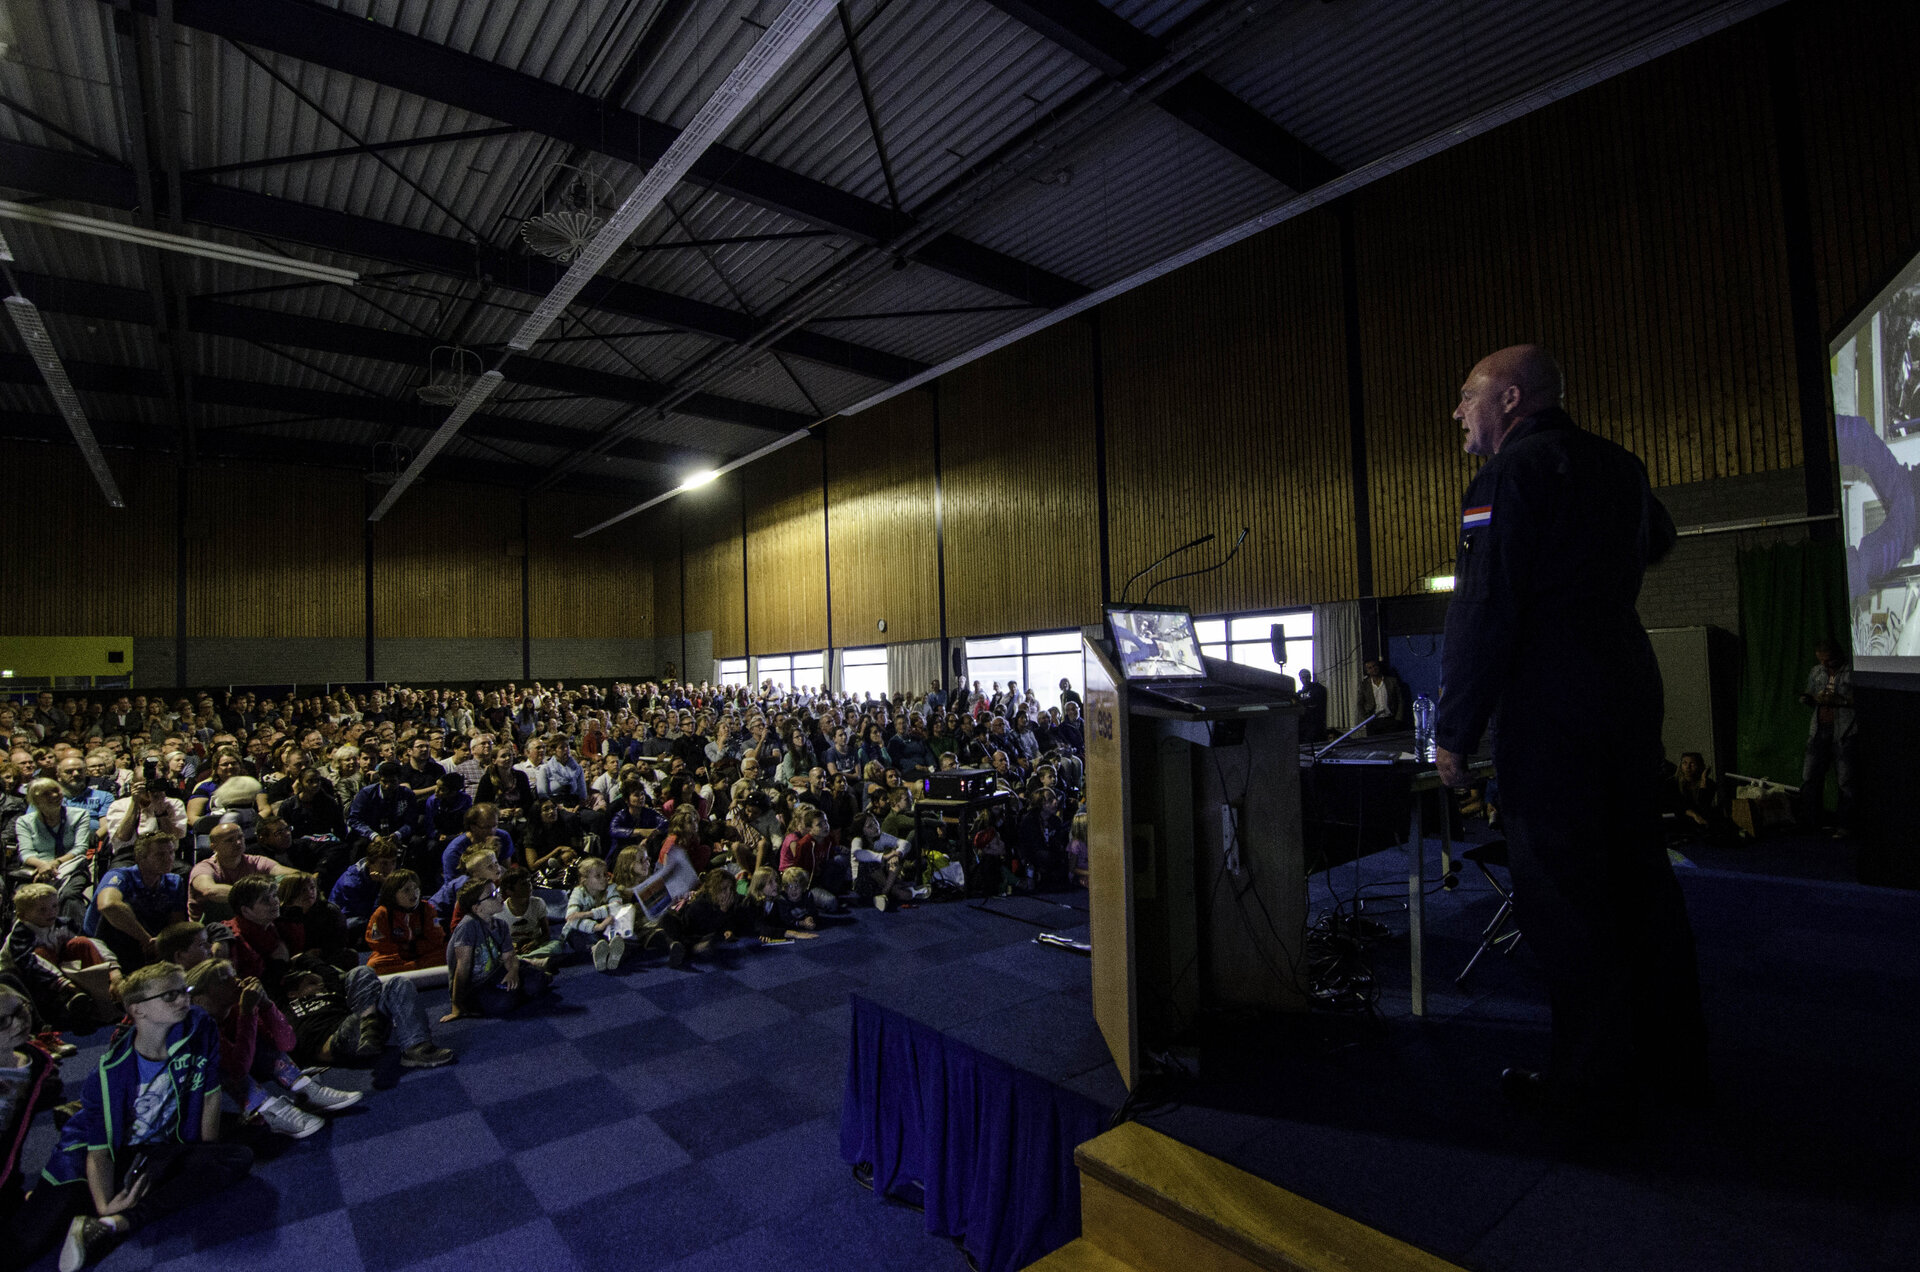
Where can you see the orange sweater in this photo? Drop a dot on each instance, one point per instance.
(405, 940)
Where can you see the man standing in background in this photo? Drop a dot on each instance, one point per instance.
(1829, 737)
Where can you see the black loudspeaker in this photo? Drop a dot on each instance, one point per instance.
(958, 657)
(1278, 634)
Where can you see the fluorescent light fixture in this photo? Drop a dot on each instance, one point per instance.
(1440, 583)
(700, 479)
(7, 674)
(144, 237)
(774, 49)
(33, 330)
(798, 435)
(482, 388)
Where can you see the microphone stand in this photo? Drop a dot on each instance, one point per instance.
(1205, 570)
(1205, 538)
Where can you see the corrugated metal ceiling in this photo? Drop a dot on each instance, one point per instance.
(953, 82)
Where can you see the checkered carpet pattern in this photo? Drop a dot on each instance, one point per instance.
(645, 1119)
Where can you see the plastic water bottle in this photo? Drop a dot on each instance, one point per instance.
(1423, 721)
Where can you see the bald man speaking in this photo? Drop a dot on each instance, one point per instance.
(1544, 645)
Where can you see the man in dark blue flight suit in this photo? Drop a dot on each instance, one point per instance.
(1543, 643)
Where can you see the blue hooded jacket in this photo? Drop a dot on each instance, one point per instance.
(106, 1102)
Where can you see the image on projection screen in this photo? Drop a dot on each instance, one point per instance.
(1876, 407)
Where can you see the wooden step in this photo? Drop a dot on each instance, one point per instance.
(1080, 1255)
(1153, 1203)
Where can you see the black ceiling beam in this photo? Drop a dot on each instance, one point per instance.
(244, 322)
(1117, 49)
(217, 391)
(66, 175)
(21, 426)
(382, 55)
(342, 152)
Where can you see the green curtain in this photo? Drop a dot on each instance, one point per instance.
(1792, 595)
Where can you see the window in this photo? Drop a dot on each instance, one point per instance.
(788, 670)
(733, 671)
(1038, 660)
(864, 671)
(1248, 640)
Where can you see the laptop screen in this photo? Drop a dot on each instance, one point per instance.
(1155, 643)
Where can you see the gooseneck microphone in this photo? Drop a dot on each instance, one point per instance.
(1204, 570)
(1205, 538)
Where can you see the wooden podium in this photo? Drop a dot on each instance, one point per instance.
(1176, 928)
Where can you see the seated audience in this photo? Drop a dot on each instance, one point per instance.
(46, 952)
(360, 1018)
(133, 903)
(255, 1068)
(485, 976)
(404, 932)
(146, 1138)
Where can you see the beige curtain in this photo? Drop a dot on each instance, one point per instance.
(1336, 659)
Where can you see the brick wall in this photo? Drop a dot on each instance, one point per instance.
(1697, 585)
(581, 659)
(433, 660)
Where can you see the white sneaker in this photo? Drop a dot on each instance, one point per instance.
(616, 950)
(601, 949)
(921, 892)
(880, 901)
(279, 1114)
(326, 1099)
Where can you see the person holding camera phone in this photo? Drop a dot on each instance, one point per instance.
(146, 1139)
(148, 808)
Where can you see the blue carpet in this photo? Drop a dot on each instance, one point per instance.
(646, 1119)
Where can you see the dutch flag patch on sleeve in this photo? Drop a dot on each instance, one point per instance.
(1474, 518)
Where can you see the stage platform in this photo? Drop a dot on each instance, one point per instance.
(1806, 1161)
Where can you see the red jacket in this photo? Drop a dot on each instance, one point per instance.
(402, 940)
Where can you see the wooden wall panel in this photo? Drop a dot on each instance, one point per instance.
(1635, 230)
(880, 514)
(1861, 106)
(600, 586)
(1017, 473)
(786, 551)
(275, 551)
(713, 564)
(74, 566)
(1226, 406)
(659, 533)
(442, 565)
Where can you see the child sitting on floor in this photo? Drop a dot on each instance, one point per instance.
(765, 902)
(485, 977)
(360, 1019)
(44, 950)
(29, 1082)
(650, 895)
(254, 1041)
(479, 864)
(308, 923)
(591, 916)
(708, 914)
(527, 921)
(405, 933)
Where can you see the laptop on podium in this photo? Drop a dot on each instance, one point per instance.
(1159, 654)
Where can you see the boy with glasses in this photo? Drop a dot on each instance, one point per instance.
(146, 1139)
